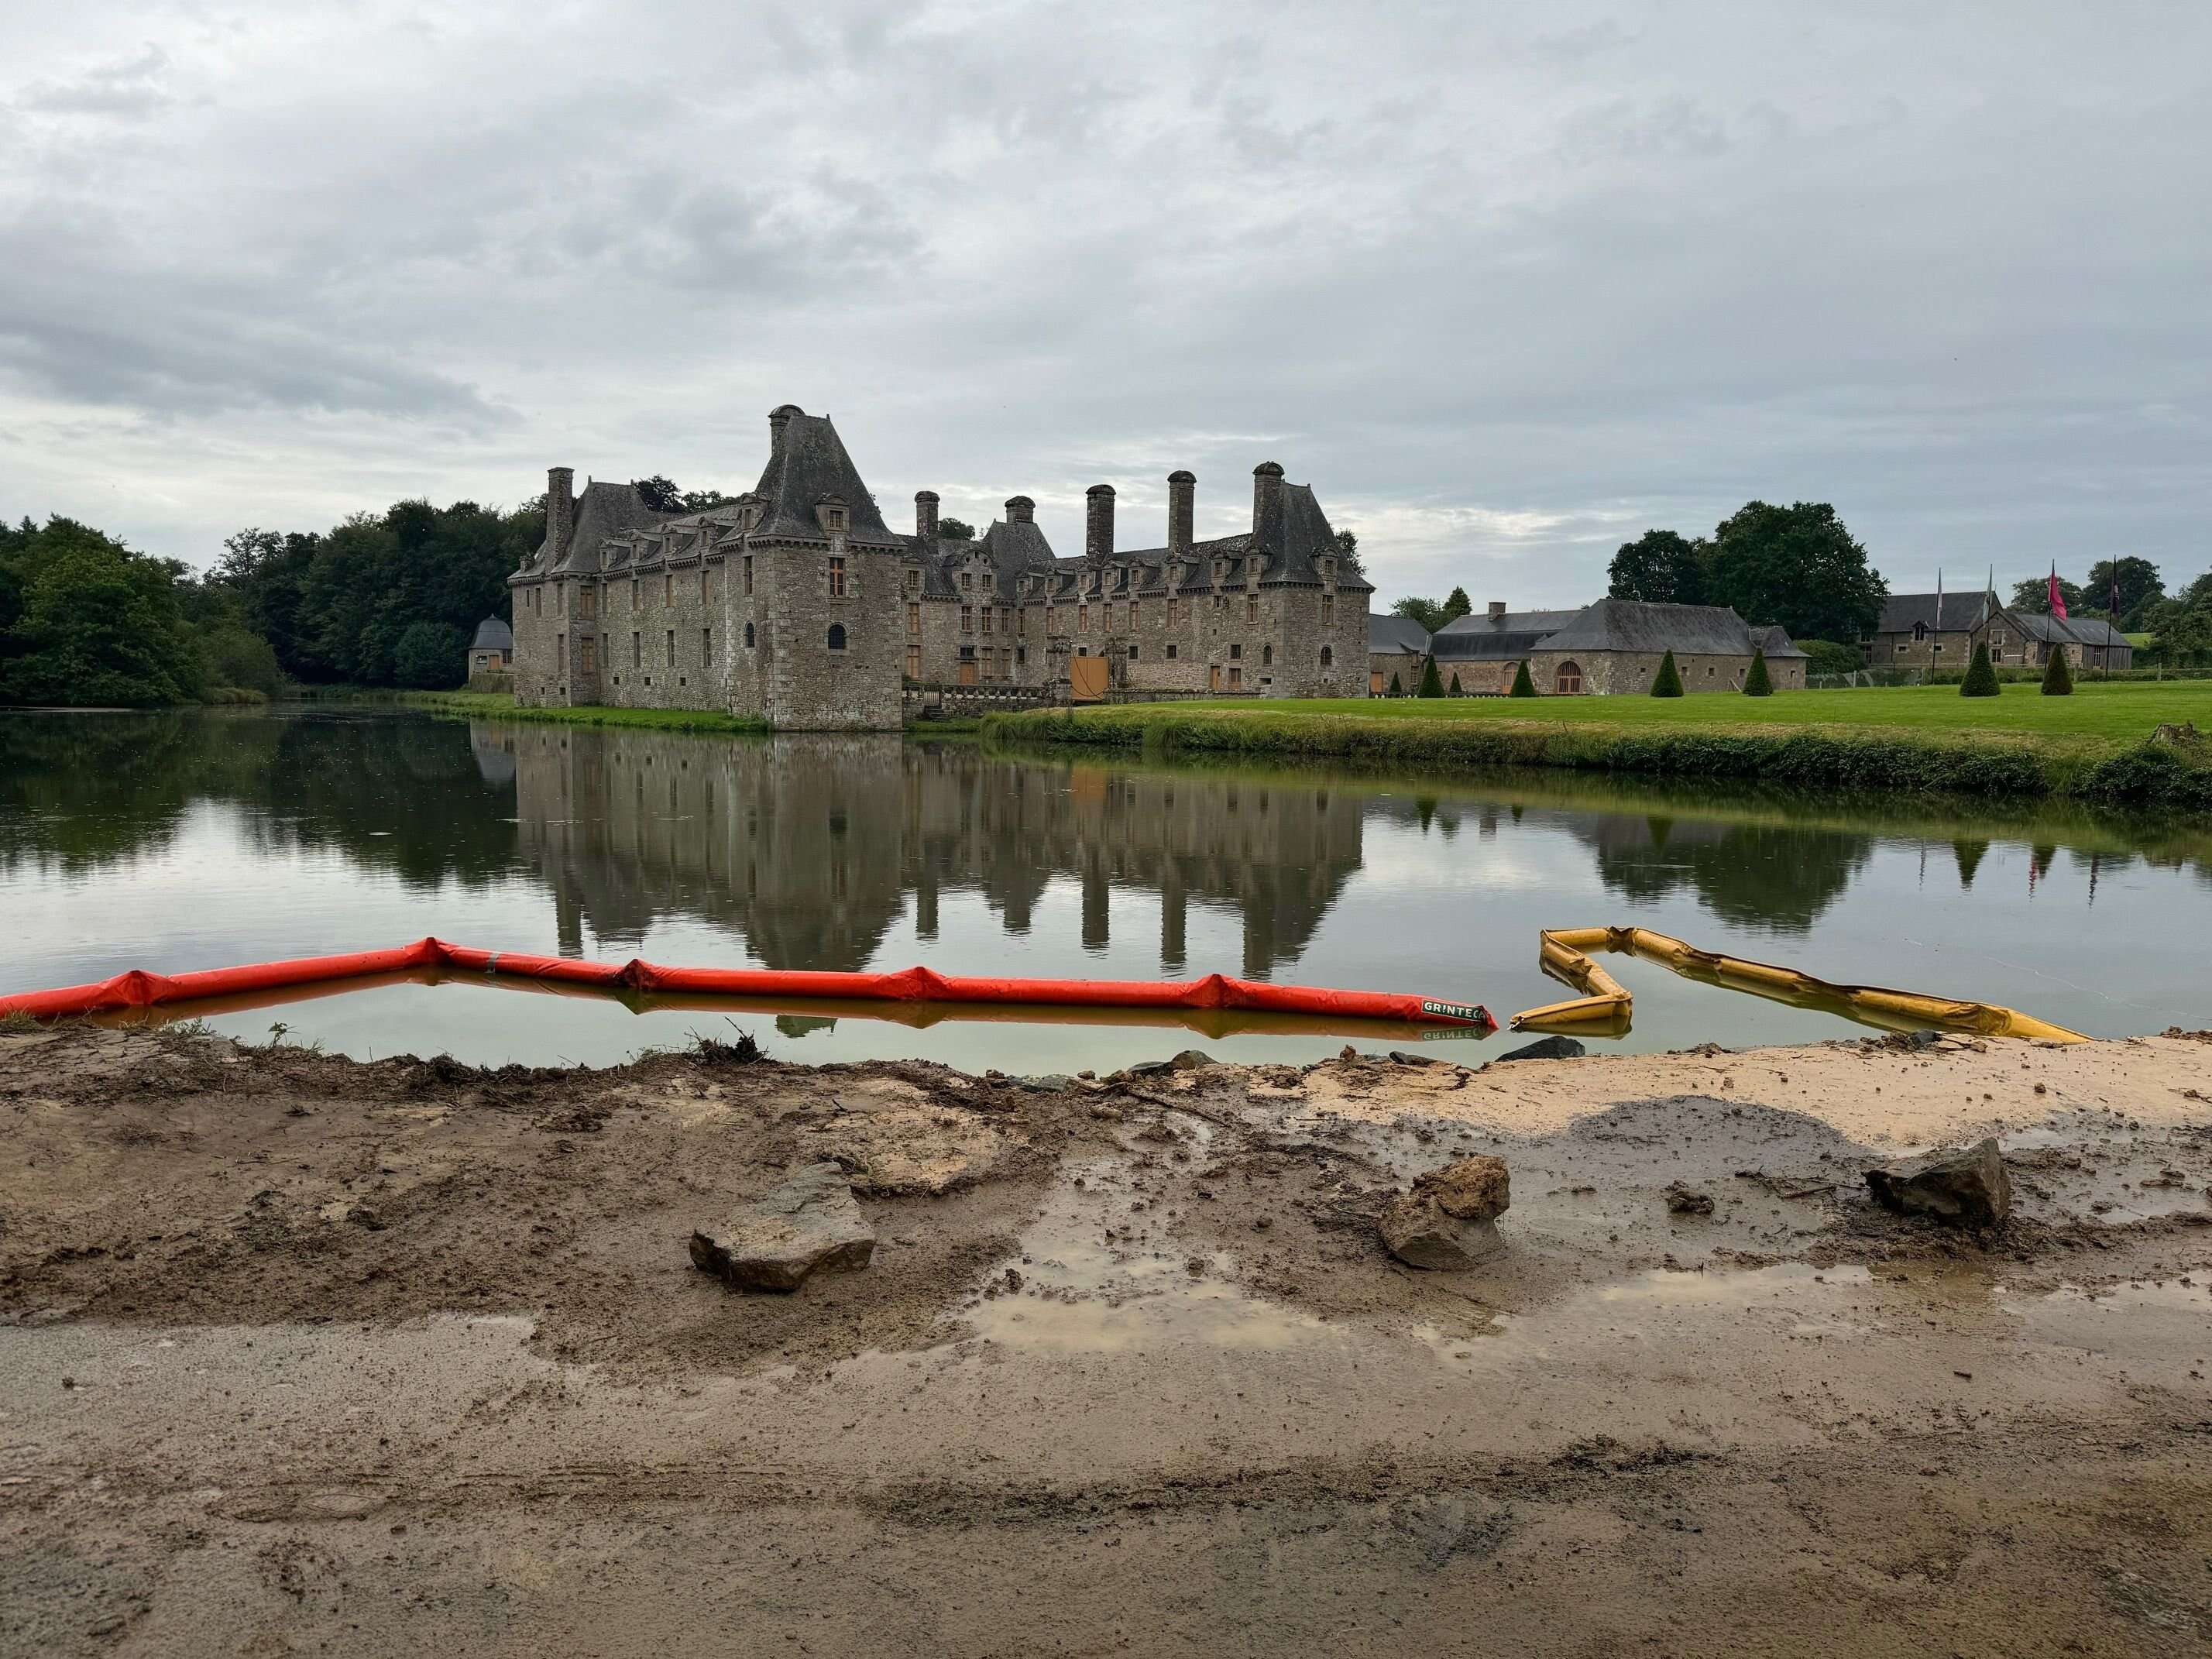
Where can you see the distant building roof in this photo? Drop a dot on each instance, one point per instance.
(1506, 638)
(2066, 631)
(1902, 612)
(493, 634)
(1702, 630)
(1401, 636)
(1775, 641)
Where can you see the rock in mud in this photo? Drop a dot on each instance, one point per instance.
(1550, 1048)
(1449, 1218)
(1963, 1189)
(809, 1222)
(1687, 1201)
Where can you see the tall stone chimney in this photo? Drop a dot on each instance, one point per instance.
(1182, 498)
(925, 514)
(1020, 510)
(1497, 610)
(560, 510)
(1266, 502)
(1098, 523)
(776, 419)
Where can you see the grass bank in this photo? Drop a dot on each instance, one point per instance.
(2093, 746)
(501, 705)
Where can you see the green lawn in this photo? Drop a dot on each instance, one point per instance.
(2097, 715)
(501, 705)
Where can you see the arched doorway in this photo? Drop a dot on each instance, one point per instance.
(1568, 682)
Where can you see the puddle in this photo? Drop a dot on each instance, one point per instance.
(1095, 1274)
(2166, 1323)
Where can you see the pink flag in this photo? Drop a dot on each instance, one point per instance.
(2057, 599)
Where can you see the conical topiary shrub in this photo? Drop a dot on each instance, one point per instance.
(1668, 683)
(1455, 684)
(1756, 683)
(1396, 690)
(2058, 676)
(1981, 679)
(1430, 685)
(1522, 685)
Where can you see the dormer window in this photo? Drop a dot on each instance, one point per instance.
(1328, 570)
(1219, 567)
(836, 517)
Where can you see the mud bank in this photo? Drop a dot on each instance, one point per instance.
(303, 1353)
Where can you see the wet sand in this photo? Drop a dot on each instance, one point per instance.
(303, 1354)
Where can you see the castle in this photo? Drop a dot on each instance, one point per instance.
(798, 604)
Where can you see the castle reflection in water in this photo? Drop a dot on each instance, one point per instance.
(809, 848)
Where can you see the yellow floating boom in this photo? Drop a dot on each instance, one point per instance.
(1606, 1004)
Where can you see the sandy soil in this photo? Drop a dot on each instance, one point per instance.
(304, 1355)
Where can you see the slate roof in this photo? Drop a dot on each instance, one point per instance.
(2066, 631)
(1481, 637)
(1397, 636)
(603, 510)
(1775, 641)
(493, 634)
(1701, 630)
(806, 466)
(1901, 612)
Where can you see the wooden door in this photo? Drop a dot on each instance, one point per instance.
(1213, 677)
(968, 671)
(1086, 678)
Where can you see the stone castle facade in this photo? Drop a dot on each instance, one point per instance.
(799, 605)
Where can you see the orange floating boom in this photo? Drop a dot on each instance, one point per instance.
(137, 989)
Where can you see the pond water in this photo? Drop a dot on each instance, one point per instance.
(176, 841)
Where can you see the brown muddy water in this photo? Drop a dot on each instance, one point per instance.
(177, 841)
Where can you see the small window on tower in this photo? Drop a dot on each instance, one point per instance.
(837, 579)
(836, 636)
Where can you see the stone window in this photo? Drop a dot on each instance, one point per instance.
(966, 618)
(1219, 565)
(671, 647)
(913, 581)
(1329, 570)
(1082, 619)
(914, 662)
(836, 636)
(1021, 653)
(1568, 680)
(1252, 610)
(587, 603)
(1220, 604)
(914, 619)
(989, 583)
(1171, 651)
(702, 585)
(1919, 632)
(837, 579)
(1329, 610)
(1936, 649)
(634, 581)
(749, 575)
(1021, 622)
(749, 637)
(1133, 653)
(990, 613)
(967, 581)
(587, 655)
(706, 645)
(1267, 656)
(1236, 653)
(833, 518)
(668, 588)
(1136, 612)
(1900, 647)
(637, 649)
(1328, 656)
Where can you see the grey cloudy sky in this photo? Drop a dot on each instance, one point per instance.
(1507, 283)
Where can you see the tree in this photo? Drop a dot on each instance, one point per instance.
(1757, 684)
(1457, 605)
(2140, 590)
(92, 621)
(659, 493)
(2184, 630)
(1981, 679)
(1347, 546)
(1427, 612)
(703, 501)
(955, 530)
(1396, 690)
(1522, 685)
(1797, 566)
(1660, 568)
(1827, 656)
(1668, 682)
(2059, 674)
(1431, 686)
(2033, 596)
(430, 656)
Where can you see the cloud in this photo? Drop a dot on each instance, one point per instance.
(1508, 284)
